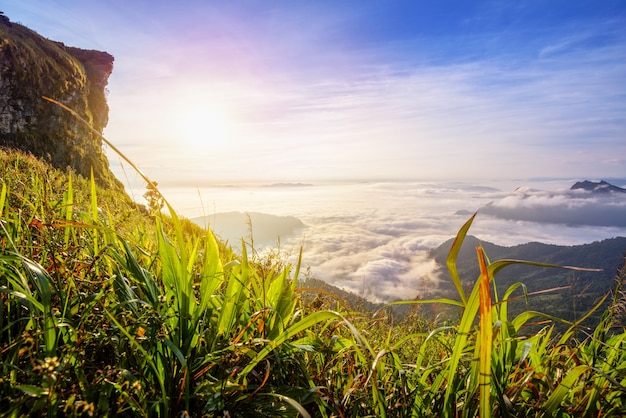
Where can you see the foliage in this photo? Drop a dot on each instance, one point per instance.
(108, 311)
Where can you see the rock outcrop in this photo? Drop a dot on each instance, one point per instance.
(32, 66)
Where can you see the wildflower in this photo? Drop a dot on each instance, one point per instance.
(50, 364)
(136, 385)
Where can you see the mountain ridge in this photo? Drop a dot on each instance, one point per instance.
(597, 187)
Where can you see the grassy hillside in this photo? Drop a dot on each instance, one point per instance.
(110, 311)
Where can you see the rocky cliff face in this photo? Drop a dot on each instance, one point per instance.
(31, 67)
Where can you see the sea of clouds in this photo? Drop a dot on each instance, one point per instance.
(374, 238)
(571, 207)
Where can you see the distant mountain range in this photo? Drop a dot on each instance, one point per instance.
(585, 203)
(597, 187)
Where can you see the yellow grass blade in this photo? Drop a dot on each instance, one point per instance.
(3, 196)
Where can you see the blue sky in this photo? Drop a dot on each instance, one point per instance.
(212, 92)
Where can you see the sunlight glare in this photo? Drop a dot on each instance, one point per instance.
(204, 127)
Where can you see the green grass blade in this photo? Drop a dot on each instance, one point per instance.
(20, 288)
(179, 354)
(557, 397)
(43, 283)
(94, 212)
(302, 325)
(575, 325)
(292, 402)
(212, 272)
(498, 265)
(444, 301)
(146, 357)
(68, 207)
(460, 342)
(141, 277)
(453, 255)
(236, 293)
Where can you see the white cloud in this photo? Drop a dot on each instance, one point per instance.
(568, 207)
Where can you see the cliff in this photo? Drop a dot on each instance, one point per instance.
(31, 67)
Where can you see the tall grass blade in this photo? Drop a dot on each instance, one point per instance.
(443, 301)
(106, 141)
(236, 293)
(68, 206)
(293, 330)
(293, 403)
(557, 398)
(486, 337)
(3, 196)
(142, 277)
(148, 358)
(465, 325)
(573, 328)
(498, 265)
(42, 282)
(212, 272)
(94, 211)
(454, 253)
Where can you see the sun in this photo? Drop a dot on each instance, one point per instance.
(204, 127)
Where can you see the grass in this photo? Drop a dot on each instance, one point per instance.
(108, 310)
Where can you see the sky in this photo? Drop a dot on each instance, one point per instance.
(212, 92)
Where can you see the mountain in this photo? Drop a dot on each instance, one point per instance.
(583, 289)
(266, 229)
(322, 295)
(32, 66)
(597, 187)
